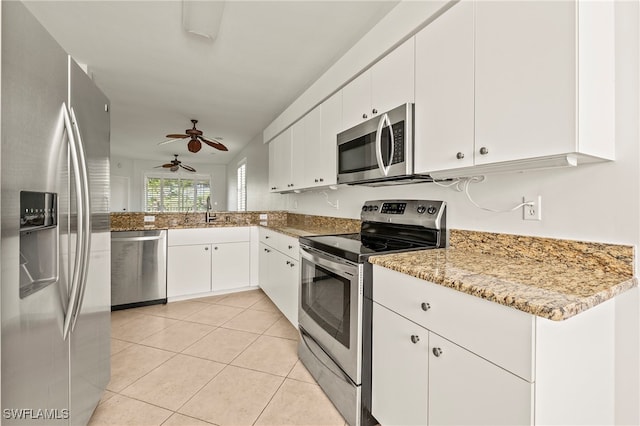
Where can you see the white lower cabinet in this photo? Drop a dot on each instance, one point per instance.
(400, 359)
(279, 273)
(188, 270)
(465, 389)
(434, 381)
(208, 260)
(443, 357)
(230, 265)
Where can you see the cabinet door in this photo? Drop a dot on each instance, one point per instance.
(399, 370)
(230, 265)
(465, 389)
(316, 153)
(444, 111)
(300, 135)
(288, 282)
(273, 170)
(265, 265)
(356, 101)
(525, 79)
(392, 79)
(280, 162)
(188, 270)
(330, 125)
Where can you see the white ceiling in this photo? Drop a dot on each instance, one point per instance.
(158, 76)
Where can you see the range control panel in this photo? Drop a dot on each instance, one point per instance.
(428, 213)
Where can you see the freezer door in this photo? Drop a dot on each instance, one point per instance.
(35, 358)
(90, 337)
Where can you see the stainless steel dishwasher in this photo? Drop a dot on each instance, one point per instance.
(138, 268)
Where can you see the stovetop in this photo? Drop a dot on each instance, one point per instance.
(388, 226)
(357, 247)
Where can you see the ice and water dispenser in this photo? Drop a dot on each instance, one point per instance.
(38, 241)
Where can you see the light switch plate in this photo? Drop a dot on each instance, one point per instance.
(263, 216)
(149, 218)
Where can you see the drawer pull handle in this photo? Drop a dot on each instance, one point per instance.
(206, 248)
(290, 247)
(425, 306)
(437, 351)
(414, 338)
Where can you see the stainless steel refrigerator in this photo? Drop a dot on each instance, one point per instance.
(55, 249)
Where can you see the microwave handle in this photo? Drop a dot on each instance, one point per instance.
(384, 120)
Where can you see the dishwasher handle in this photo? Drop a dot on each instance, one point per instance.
(127, 239)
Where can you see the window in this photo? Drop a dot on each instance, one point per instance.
(176, 194)
(242, 186)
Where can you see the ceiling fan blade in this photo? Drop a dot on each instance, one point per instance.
(194, 145)
(187, 168)
(214, 144)
(167, 165)
(169, 141)
(177, 136)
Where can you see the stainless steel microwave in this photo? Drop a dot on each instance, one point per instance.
(379, 151)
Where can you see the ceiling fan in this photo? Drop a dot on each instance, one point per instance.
(175, 164)
(195, 136)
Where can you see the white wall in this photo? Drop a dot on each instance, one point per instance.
(256, 154)
(135, 170)
(599, 202)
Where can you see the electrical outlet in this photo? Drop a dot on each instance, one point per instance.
(534, 210)
(149, 218)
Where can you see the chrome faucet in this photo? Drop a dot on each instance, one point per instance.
(208, 217)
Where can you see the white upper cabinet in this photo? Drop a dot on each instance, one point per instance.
(511, 85)
(356, 101)
(444, 114)
(525, 79)
(280, 157)
(384, 86)
(304, 155)
(323, 125)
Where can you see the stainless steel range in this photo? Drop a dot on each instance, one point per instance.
(335, 295)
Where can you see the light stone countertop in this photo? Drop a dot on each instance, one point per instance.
(553, 279)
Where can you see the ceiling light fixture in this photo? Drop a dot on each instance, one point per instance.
(202, 18)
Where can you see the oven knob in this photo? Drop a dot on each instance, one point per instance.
(375, 208)
(432, 210)
(421, 209)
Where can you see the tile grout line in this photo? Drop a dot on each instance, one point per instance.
(225, 365)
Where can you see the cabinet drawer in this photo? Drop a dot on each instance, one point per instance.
(497, 333)
(181, 237)
(281, 242)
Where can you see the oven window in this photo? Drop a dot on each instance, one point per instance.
(326, 298)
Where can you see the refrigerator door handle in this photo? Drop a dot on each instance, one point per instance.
(86, 233)
(75, 277)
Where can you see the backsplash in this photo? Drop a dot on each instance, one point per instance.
(135, 221)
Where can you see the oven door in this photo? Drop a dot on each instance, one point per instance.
(330, 307)
(379, 148)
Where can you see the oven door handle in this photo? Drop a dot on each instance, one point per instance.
(336, 370)
(342, 269)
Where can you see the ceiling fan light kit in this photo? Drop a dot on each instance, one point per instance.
(196, 139)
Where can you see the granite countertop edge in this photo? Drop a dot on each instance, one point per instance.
(545, 304)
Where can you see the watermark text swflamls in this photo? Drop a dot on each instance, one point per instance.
(35, 414)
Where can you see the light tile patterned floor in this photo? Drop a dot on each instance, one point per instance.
(224, 360)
